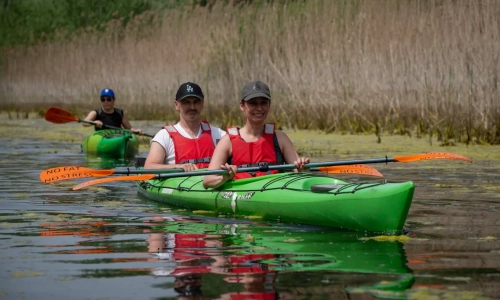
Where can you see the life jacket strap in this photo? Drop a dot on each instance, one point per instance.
(196, 161)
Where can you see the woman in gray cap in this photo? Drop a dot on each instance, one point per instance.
(256, 142)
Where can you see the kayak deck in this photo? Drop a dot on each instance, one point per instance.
(304, 198)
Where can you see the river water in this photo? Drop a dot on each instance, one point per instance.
(108, 242)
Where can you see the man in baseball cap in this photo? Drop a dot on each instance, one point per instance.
(189, 89)
(189, 144)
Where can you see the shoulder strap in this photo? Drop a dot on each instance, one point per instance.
(170, 128)
(205, 126)
(232, 131)
(269, 128)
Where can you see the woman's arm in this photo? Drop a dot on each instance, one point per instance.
(219, 161)
(289, 152)
(126, 124)
(91, 118)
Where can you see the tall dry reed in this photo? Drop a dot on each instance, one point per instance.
(407, 67)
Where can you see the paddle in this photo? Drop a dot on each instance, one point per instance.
(362, 169)
(74, 172)
(61, 116)
(265, 167)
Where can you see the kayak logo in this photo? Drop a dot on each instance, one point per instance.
(228, 195)
(189, 88)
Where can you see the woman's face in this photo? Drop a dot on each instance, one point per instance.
(256, 109)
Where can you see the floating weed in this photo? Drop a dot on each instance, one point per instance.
(25, 274)
(22, 196)
(253, 217)
(259, 248)
(424, 222)
(249, 238)
(66, 279)
(86, 219)
(438, 228)
(484, 239)
(292, 240)
(379, 293)
(97, 189)
(29, 215)
(388, 238)
(466, 279)
(431, 294)
(445, 185)
(112, 204)
(68, 183)
(203, 212)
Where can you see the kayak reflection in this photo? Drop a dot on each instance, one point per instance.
(265, 262)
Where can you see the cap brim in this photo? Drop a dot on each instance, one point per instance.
(190, 95)
(256, 95)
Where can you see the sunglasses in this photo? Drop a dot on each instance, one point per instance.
(109, 99)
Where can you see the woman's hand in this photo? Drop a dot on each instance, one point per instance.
(139, 131)
(98, 123)
(300, 162)
(231, 169)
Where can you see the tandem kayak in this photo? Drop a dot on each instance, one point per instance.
(304, 198)
(112, 143)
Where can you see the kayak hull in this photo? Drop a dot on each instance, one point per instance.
(293, 198)
(111, 143)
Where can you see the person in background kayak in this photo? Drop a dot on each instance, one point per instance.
(107, 114)
(189, 144)
(255, 143)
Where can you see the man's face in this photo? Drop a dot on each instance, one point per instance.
(189, 108)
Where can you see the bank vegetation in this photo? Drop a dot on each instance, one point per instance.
(410, 67)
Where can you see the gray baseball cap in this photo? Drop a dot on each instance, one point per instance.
(255, 89)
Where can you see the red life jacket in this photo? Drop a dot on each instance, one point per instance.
(249, 154)
(197, 151)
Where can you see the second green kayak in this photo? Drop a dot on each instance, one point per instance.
(111, 143)
(304, 198)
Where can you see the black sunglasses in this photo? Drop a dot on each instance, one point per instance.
(109, 99)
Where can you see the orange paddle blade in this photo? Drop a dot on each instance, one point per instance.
(60, 116)
(352, 169)
(120, 178)
(71, 172)
(431, 155)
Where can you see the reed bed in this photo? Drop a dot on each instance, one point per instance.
(419, 68)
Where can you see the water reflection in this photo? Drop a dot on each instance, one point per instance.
(196, 258)
(258, 261)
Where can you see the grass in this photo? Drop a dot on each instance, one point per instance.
(426, 69)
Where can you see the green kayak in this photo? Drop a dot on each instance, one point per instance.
(304, 198)
(111, 143)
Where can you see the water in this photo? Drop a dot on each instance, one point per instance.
(108, 242)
